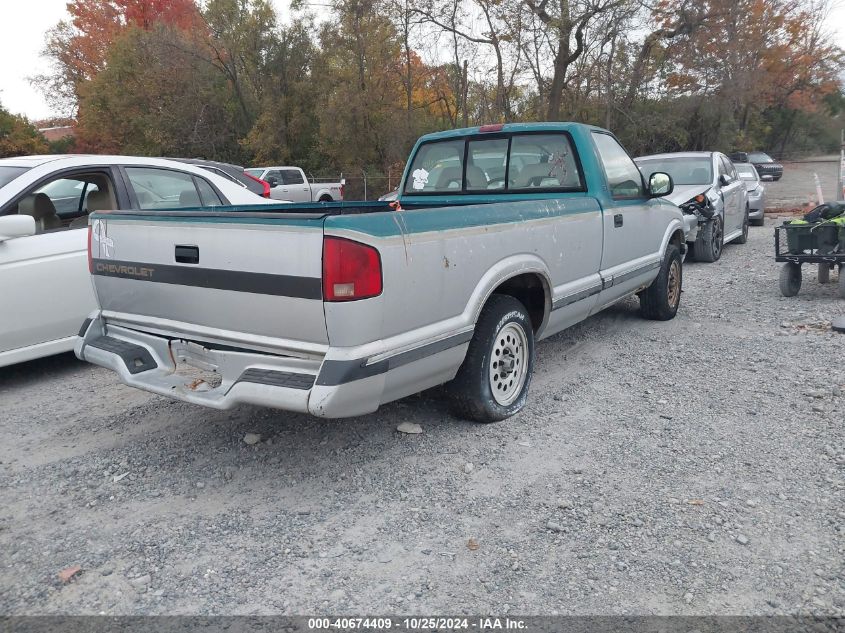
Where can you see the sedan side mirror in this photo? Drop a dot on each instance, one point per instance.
(725, 180)
(660, 184)
(12, 226)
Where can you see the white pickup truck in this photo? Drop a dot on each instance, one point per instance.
(503, 235)
(291, 183)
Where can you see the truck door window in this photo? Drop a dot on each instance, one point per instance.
(486, 161)
(623, 177)
(163, 189)
(274, 177)
(292, 177)
(437, 167)
(543, 161)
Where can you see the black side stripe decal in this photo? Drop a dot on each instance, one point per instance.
(618, 279)
(570, 299)
(594, 290)
(338, 372)
(239, 281)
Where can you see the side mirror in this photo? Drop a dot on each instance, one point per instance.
(272, 181)
(660, 184)
(725, 180)
(12, 226)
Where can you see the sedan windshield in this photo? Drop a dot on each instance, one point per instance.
(746, 172)
(760, 157)
(684, 171)
(8, 174)
(255, 172)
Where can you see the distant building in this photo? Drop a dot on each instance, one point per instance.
(57, 133)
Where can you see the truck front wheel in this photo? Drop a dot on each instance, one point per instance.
(492, 383)
(661, 299)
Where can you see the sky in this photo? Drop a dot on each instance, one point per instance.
(24, 24)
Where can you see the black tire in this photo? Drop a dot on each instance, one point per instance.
(708, 245)
(325, 199)
(842, 281)
(742, 239)
(758, 221)
(472, 390)
(824, 273)
(790, 279)
(661, 299)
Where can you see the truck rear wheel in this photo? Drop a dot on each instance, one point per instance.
(492, 383)
(661, 299)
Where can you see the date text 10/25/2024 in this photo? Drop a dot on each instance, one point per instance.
(416, 624)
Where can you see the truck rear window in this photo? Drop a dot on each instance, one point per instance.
(519, 162)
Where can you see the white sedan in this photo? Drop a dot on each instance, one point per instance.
(45, 288)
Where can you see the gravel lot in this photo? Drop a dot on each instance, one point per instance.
(798, 184)
(688, 467)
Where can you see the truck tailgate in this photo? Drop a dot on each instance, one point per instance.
(224, 275)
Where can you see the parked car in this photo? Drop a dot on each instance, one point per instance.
(235, 173)
(44, 205)
(336, 310)
(756, 192)
(765, 165)
(710, 193)
(291, 183)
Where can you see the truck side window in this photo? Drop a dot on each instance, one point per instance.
(438, 167)
(623, 177)
(486, 160)
(543, 161)
(292, 177)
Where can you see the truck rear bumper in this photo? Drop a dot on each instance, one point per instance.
(222, 378)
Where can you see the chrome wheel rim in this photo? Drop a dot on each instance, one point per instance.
(674, 283)
(508, 364)
(717, 237)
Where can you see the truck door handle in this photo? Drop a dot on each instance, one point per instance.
(187, 254)
(617, 220)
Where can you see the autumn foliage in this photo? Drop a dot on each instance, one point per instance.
(226, 79)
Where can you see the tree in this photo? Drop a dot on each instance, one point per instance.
(158, 96)
(18, 137)
(79, 47)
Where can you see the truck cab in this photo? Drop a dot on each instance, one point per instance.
(293, 185)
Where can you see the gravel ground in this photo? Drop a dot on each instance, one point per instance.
(798, 185)
(688, 467)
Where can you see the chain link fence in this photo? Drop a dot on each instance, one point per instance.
(366, 186)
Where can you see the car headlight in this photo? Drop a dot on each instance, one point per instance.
(701, 206)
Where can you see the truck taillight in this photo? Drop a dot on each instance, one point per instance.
(90, 261)
(351, 270)
(342, 188)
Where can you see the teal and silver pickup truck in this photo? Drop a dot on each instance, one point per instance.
(502, 235)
